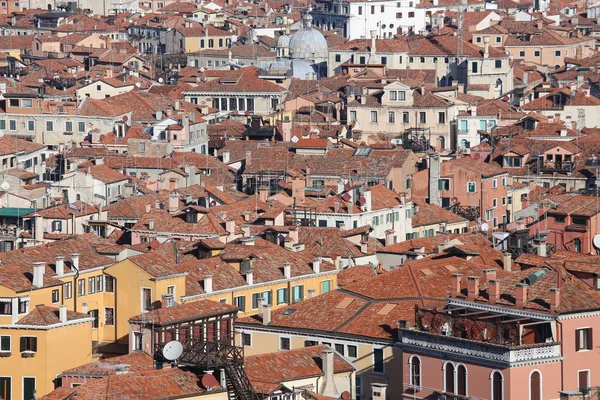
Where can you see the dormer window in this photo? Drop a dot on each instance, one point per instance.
(397, 95)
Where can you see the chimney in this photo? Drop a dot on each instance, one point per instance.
(489, 274)
(456, 280)
(38, 274)
(367, 197)
(167, 300)
(250, 277)
(379, 391)
(75, 261)
(473, 288)
(554, 299)
(157, 204)
(293, 235)
(507, 262)
(151, 224)
(248, 158)
(316, 265)
(84, 308)
(311, 293)
(60, 266)
(62, 313)
(493, 291)
(373, 42)
(226, 155)
(246, 230)
(486, 47)
(389, 237)
(208, 283)
(328, 388)
(287, 270)
(148, 207)
(336, 207)
(540, 243)
(173, 202)
(230, 226)
(263, 193)
(540, 24)
(298, 190)
(520, 295)
(266, 314)
(364, 246)
(38, 228)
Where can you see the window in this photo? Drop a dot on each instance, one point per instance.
(12, 125)
(422, 117)
(444, 184)
(391, 117)
(560, 218)
(4, 343)
(359, 387)
(497, 386)
(325, 286)
(474, 67)
(282, 296)
(81, 287)
(100, 283)
(414, 368)
(461, 380)
(240, 302)
(109, 316)
(378, 364)
(30, 126)
(557, 53)
(256, 298)
(397, 95)
(535, 386)
(352, 116)
(382, 9)
(478, 40)
(28, 343)
(14, 102)
(91, 285)
(284, 343)
(405, 117)
(583, 378)
(246, 339)
(297, 293)
(495, 183)
(536, 53)
(94, 314)
(577, 245)
(498, 39)
(411, 14)
(372, 9)
(68, 126)
(521, 54)
(338, 58)
(81, 126)
(56, 226)
(26, 103)
(373, 116)
(98, 87)
(498, 64)
(449, 377)
(109, 284)
(352, 351)
(441, 117)
(471, 187)
(55, 296)
(267, 297)
(579, 221)
(211, 43)
(503, 201)
(384, 60)
(360, 10)
(49, 126)
(137, 340)
(68, 291)
(146, 299)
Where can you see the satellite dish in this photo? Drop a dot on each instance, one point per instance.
(485, 227)
(597, 241)
(454, 200)
(160, 80)
(172, 350)
(397, 142)
(345, 395)
(295, 139)
(138, 85)
(5, 186)
(209, 381)
(201, 69)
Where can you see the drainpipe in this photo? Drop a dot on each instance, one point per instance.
(562, 366)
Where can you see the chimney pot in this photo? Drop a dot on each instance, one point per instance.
(328, 388)
(494, 291)
(521, 295)
(554, 299)
(62, 313)
(293, 234)
(287, 270)
(507, 262)
(473, 288)
(266, 314)
(38, 274)
(456, 281)
(208, 283)
(84, 308)
(489, 274)
(148, 207)
(60, 265)
(316, 264)
(250, 277)
(151, 224)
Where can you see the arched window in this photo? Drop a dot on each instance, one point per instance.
(535, 386)
(497, 386)
(577, 245)
(442, 143)
(461, 380)
(463, 144)
(449, 377)
(415, 371)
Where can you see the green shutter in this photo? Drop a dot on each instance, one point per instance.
(243, 303)
(440, 184)
(5, 344)
(34, 344)
(23, 344)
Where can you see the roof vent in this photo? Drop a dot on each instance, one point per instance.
(344, 303)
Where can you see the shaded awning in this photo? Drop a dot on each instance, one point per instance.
(15, 211)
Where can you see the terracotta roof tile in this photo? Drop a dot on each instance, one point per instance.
(184, 312)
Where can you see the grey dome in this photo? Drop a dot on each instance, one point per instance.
(283, 41)
(308, 43)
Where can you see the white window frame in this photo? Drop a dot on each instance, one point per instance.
(589, 371)
(284, 337)
(113, 316)
(376, 119)
(444, 376)
(142, 306)
(466, 379)
(541, 385)
(492, 384)
(410, 369)
(382, 348)
(494, 183)
(9, 344)
(474, 183)
(23, 385)
(251, 339)
(577, 333)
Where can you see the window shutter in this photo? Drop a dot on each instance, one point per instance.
(5, 342)
(270, 298)
(286, 295)
(590, 344)
(243, 303)
(23, 344)
(34, 344)
(577, 341)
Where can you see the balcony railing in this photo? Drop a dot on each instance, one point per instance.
(494, 354)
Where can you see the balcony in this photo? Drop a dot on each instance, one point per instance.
(495, 355)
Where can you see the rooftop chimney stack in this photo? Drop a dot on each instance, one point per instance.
(486, 47)
(328, 388)
(507, 262)
(60, 265)
(62, 313)
(389, 237)
(456, 280)
(38, 274)
(266, 314)
(84, 308)
(521, 295)
(316, 264)
(494, 291)
(293, 235)
(250, 277)
(287, 270)
(489, 274)
(173, 202)
(208, 283)
(230, 226)
(554, 299)
(151, 224)
(373, 42)
(473, 288)
(75, 261)
(167, 300)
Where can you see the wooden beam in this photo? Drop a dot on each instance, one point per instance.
(493, 316)
(474, 313)
(508, 321)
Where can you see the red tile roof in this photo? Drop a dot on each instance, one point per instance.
(46, 316)
(133, 362)
(184, 312)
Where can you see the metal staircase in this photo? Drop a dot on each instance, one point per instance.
(238, 384)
